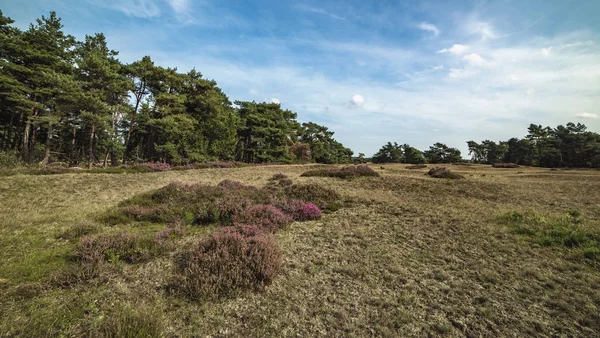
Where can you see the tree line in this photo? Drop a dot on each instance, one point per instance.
(564, 146)
(63, 100)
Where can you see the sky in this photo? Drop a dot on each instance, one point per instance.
(415, 72)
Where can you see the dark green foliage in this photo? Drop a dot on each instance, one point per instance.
(442, 172)
(564, 146)
(441, 153)
(394, 153)
(73, 101)
(345, 172)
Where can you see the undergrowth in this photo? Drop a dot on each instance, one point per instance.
(568, 231)
(344, 173)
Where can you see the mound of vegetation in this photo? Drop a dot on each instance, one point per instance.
(505, 165)
(417, 166)
(345, 172)
(227, 263)
(226, 203)
(568, 231)
(442, 172)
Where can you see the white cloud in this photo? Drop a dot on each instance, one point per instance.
(455, 49)
(578, 44)
(358, 100)
(438, 67)
(461, 73)
(513, 78)
(546, 51)
(179, 6)
(587, 115)
(275, 100)
(475, 59)
(430, 28)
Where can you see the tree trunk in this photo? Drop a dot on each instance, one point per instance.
(48, 145)
(26, 140)
(92, 145)
(104, 165)
(73, 143)
(138, 100)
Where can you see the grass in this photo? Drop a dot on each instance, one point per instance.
(402, 255)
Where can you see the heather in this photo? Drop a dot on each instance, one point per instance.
(344, 172)
(509, 252)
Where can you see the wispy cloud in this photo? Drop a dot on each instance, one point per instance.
(587, 116)
(321, 11)
(429, 28)
(136, 8)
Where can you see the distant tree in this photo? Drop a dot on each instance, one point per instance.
(441, 153)
(389, 153)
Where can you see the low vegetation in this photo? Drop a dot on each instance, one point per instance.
(500, 253)
(443, 172)
(417, 166)
(505, 165)
(344, 172)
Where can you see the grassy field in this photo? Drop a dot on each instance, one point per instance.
(503, 252)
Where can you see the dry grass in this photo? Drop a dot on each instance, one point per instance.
(408, 255)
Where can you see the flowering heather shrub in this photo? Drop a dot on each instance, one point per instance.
(345, 172)
(278, 177)
(417, 166)
(156, 166)
(442, 172)
(314, 193)
(267, 217)
(307, 212)
(225, 264)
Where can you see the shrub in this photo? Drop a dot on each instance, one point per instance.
(156, 166)
(316, 194)
(278, 177)
(244, 229)
(229, 184)
(307, 212)
(267, 217)
(10, 159)
(172, 231)
(225, 264)
(345, 172)
(285, 182)
(505, 165)
(117, 247)
(417, 166)
(442, 172)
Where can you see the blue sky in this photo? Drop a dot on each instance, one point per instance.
(415, 72)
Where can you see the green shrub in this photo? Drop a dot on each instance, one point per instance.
(10, 159)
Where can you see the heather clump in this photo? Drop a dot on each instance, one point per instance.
(442, 172)
(155, 166)
(314, 193)
(345, 172)
(267, 217)
(226, 263)
(505, 165)
(277, 177)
